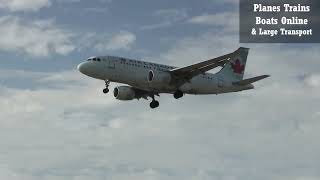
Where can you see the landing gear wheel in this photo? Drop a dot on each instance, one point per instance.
(106, 90)
(178, 94)
(154, 104)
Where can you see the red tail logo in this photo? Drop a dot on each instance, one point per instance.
(237, 67)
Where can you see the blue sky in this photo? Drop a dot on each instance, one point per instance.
(55, 123)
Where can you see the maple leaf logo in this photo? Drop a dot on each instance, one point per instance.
(237, 67)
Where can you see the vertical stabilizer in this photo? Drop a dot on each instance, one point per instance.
(234, 69)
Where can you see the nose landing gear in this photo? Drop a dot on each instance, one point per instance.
(106, 90)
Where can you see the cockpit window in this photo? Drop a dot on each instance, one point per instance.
(94, 59)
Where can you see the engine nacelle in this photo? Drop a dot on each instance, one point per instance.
(124, 93)
(158, 77)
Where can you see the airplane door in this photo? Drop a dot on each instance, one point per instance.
(111, 69)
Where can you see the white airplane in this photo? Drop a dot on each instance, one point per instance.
(146, 79)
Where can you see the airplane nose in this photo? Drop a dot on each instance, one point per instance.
(81, 67)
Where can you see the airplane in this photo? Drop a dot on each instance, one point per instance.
(146, 79)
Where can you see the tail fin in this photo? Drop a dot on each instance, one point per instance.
(235, 67)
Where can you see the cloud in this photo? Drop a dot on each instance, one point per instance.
(38, 38)
(119, 41)
(24, 5)
(313, 80)
(34, 5)
(229, 136)
(168, 17)
(43, 38)
(108, 139)
(200, 47)
(226, 20)
(62, 127)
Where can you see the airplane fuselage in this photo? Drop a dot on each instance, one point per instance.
(135, 73)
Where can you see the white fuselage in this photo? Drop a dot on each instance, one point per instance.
(135, 74)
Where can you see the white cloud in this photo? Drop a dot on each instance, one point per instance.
(313, 80)
(227, 20)
(120, 41)
(38, 38)
(33, 5)
(227, 137)
(168, 18)
(65, 128)
(200, 47)
(24, 5)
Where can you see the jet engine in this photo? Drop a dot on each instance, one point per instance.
(159, 77)
(124, 93)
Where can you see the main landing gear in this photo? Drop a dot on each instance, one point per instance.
(154, 103)
(106, 90)
(178, 94)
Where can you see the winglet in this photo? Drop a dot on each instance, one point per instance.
(250, 80)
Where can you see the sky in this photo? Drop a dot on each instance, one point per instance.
(56, 123)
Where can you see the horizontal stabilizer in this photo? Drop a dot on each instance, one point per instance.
(250, 80)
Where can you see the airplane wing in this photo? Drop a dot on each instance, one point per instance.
(143, 93)
(189, 72)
